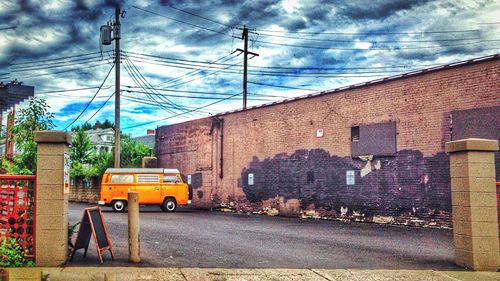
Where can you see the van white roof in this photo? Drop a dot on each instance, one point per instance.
(141, 170)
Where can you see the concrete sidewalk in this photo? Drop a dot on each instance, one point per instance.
(212, 274)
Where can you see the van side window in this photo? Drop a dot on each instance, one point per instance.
(171, 179)
(122, 178)
(148, 179)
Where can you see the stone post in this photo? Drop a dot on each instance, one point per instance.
(51, 230)
(474, 203)
(134, 243)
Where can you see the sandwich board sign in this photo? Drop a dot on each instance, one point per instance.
(92, 224)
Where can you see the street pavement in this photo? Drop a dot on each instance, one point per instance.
(203, 239)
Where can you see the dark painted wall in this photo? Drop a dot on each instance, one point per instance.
(407, 184)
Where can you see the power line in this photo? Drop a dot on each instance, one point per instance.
(192, 14)
(54, 59)
(192, 97)
(88, 104)
(160, 58)
(370, 41)
(148, 85)
(284, 87)
(101, 107)
(196, 109)
(368, 49)
(50, 66)
(10, 27)
(181, 21)
(138, 83)
(70, 90)
(63, 71)
(372, 33)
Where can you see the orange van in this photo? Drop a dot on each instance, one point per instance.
(163, 187)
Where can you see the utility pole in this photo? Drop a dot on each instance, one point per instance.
(245, 52)
(117, 36)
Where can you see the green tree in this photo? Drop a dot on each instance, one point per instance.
(107, 124)
(81, 149)
(132, 152)
(35, 117)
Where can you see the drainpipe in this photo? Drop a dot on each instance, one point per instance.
(221, 174)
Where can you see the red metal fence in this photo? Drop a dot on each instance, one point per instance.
(17, 211)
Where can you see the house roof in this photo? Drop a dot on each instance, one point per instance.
(95, 136)
(148, 140)
(12, 94)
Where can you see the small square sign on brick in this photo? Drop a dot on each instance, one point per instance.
(319, 133)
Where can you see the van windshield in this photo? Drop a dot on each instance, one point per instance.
(171, 179)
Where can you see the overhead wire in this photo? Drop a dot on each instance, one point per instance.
(202, 17)
(148, 85)
(181, 21)
(169, 117)
(54, 59)
(91, 100)
(137, 81)
(100, 108)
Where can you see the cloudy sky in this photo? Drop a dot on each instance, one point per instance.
(178, 59)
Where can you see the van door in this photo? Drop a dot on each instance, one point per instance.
(119, 186)
(148, 187)
(171, 186)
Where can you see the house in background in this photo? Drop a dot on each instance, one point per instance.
(102, 140)
(148, 139)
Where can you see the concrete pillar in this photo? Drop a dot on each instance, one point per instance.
(149, 162)
(474, 203)
(134, 243)
(51, 230)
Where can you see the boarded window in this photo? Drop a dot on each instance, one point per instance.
(148, 179)
(374, 139)
(196, 180)
(122, 178)
(481, 123)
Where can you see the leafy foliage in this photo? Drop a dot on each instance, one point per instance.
(132, 152)
(81, 149)
(12, 254)
(35, 117)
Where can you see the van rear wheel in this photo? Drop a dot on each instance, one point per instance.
(169, 205)
(118, 205)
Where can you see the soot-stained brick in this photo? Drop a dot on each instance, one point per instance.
(408, 182)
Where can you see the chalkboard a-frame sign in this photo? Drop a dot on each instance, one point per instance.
(93, 224)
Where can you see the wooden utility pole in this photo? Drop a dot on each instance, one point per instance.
(245, 52)
(117, 36)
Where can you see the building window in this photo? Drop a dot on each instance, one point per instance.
(377, 139)
(122, 178)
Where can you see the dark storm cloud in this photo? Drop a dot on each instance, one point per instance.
(69, 27)
(376, 9)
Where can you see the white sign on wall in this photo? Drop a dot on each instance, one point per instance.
(349, 177)
(319, 133)
(189, 179)
(66, 172)
(250, 179)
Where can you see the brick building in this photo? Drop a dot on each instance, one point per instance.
(368, 152)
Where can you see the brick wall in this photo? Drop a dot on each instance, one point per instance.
(82, 193)
(297, 173)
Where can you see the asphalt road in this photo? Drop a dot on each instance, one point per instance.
(190, 238)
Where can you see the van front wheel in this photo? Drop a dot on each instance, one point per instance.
(118, 205)
(169, 205)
